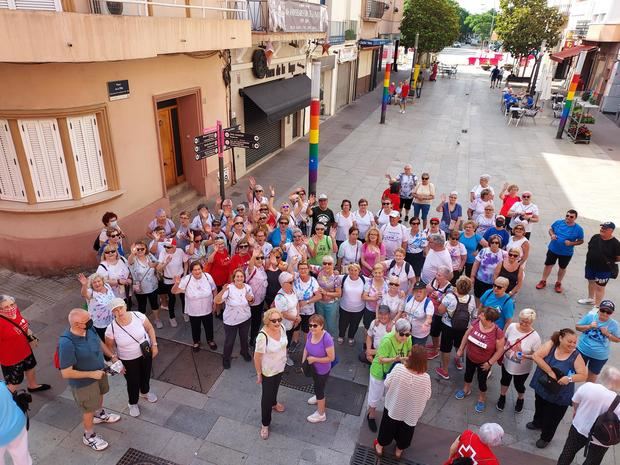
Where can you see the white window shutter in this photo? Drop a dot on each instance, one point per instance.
(84, 134)
(43, 5)
(11, 182)
(46, 160)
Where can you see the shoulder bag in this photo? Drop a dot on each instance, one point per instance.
(145, 346)
(31, 338)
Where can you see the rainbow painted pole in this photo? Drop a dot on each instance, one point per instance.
(386, 92)
(315, 111)
(570, 96)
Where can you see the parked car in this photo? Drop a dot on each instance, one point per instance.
(456, 45)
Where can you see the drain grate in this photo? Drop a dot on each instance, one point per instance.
(137, 457)
(303, 388)
(366, 456)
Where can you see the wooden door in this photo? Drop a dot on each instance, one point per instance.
(166, 139)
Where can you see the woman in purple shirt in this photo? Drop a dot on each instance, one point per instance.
(319, 352)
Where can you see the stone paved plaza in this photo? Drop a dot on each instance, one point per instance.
(455, 132)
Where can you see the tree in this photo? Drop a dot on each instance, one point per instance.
(523, 25)
(464, 29)
(437, 22)
(480, 24)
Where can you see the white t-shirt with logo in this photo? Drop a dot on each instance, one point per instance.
(175, 267)
(404, 273)
(593, 399)
(287, 303)
(417, 312)
(363, 222)
(393, 238)
(376, 331)
(350, 253)
(237, 308)
(351, 299)
(305, 291)
(515, 364)
(199, 294)
(519, 208)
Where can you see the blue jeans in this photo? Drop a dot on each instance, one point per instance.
(417, 207)
(329, 311)
(418, 341)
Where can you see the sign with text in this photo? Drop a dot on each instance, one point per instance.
(240, 140)
(118, 90)
(294, 16)
(206, 145)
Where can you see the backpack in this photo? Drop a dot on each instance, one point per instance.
(97, 244)
(606, 428)
(344, 278)
(407, 266)
(460, 317)
(426, 301)
(57, 355)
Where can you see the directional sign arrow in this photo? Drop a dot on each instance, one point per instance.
(202, 138)
(244, 144)
(241, 136)
(209, 145)
(202, 155)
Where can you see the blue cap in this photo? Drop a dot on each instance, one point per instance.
(608, 225)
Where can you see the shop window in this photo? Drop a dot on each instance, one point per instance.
(87, 153)
(46, 160)
(11, 182)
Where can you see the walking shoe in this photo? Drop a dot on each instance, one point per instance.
(351, 342)
(316, 417)
(501, 403)
(340, 341)
(480, 406)
(460, 394)
(159, 324)
(247, 357)
(558, 287)
(312, 400)
(458, 363)
(134, 410)
(533, 426)
(226, 364)
(264, 432)
(150, 396)
(430, 355)
(519, 406)
(186, 318)
(541, 443)
(442, 373)
(541, 284)
(95, 442)
(289, 362)
(173, 322)
(103, 417)
(372, 423)
(586, 301)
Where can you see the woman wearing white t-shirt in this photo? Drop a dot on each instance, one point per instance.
(296, 251)
(394, 298)
(351, 304)
(269, 362)
(199, 289)
(114, 270)
(349, 251)
(126, 332)
(145, 283)
(419, 311)
(238, 297)
(256, 278)
(476, 207)
(521, 342)
(172, 262)
(308, 292)
(363, 220)
(401, 269)
(287, 303)
(377, 329)
(524, 212)
(344, 221)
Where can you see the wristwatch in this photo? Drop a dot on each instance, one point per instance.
(570, 379)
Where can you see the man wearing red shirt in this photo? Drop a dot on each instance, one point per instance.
(404, 93)
(16, 356)
(477, 446)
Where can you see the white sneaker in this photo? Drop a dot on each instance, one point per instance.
(586, 301)
(316, 417)
(150, 396)
(95, 442)
(312, 400)
(134, 410)
(186, 318)
(159, 324)
(103, 417)
(173, 322)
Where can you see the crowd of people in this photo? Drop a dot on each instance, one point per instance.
(297, 277)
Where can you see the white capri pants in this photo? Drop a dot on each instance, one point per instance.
(17, 449)
(375, 391)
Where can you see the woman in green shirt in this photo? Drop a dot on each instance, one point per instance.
(394, 348)
(320, 244)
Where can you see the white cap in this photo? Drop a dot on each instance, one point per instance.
(394, 214)
(322, 196)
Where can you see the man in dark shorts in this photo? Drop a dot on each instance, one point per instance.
(320, 213)
(601, 263)
(565, 235)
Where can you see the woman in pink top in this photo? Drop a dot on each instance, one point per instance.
(373, 251)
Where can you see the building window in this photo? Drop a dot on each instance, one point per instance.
(42, 5)
(56, 155)
(11, 181)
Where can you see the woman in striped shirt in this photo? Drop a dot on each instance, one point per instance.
(402, 410)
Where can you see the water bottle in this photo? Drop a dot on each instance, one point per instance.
(519, 355)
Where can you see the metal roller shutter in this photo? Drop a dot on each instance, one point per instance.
(270, 133)
(343, 84)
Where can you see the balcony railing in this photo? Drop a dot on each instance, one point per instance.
(287, 16)
(374, 9)
(212, 9)
(341, 31)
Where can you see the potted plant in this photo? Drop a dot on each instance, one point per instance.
(115, 8)
(508, 67)
(349, 34)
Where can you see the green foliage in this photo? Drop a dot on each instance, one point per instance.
(523, 25)
(480, 24)
(437, 22)
(464, 29)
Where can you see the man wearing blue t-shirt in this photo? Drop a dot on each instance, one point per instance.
(565, 235)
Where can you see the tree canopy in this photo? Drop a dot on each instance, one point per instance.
(480, 24)
(437, 22)
(523, 25)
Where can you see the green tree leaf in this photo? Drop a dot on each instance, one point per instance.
(437, 22)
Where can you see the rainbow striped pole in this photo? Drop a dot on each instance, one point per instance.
(386, 92)
(315, 111)
(570, 96)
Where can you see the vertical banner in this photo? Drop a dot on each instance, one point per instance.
(570, 96)
(386, 92)
(313, 138)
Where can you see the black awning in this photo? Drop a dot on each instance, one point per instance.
(278, 99)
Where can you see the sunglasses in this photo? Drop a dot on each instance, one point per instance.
(113, 235)
(260, 257)
(263, 210)
(238, 222)
(516, 255)
(494, 242)
(497, 286)
(434, 222)
(313, 325)
(571, 216)
(278, 256)
(604, 310)
(198, 241)
(363, 204)
(140, 249)
(394, 284)
(404, 334)
(286, 206)
(386, 203)
(276, 320)
(327, 263)
(165, 247)
(108, 252)
(526, 196)
(425, 179)
(243, 246)
(415, 222)
(283, 222)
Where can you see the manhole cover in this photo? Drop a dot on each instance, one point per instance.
(179, 365)
(137, 457)
(366, 456)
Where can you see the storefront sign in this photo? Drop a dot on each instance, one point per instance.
(373, 42)
(118, 89)
(293, 16)
(347, 54)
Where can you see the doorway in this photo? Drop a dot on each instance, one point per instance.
(170, 142)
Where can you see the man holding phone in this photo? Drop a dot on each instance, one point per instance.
(80, 353)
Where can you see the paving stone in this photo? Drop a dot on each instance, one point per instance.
(221, 455)
(186, 397)
(181, 448)
(192, 421)
(43, 439)
(60, 413)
